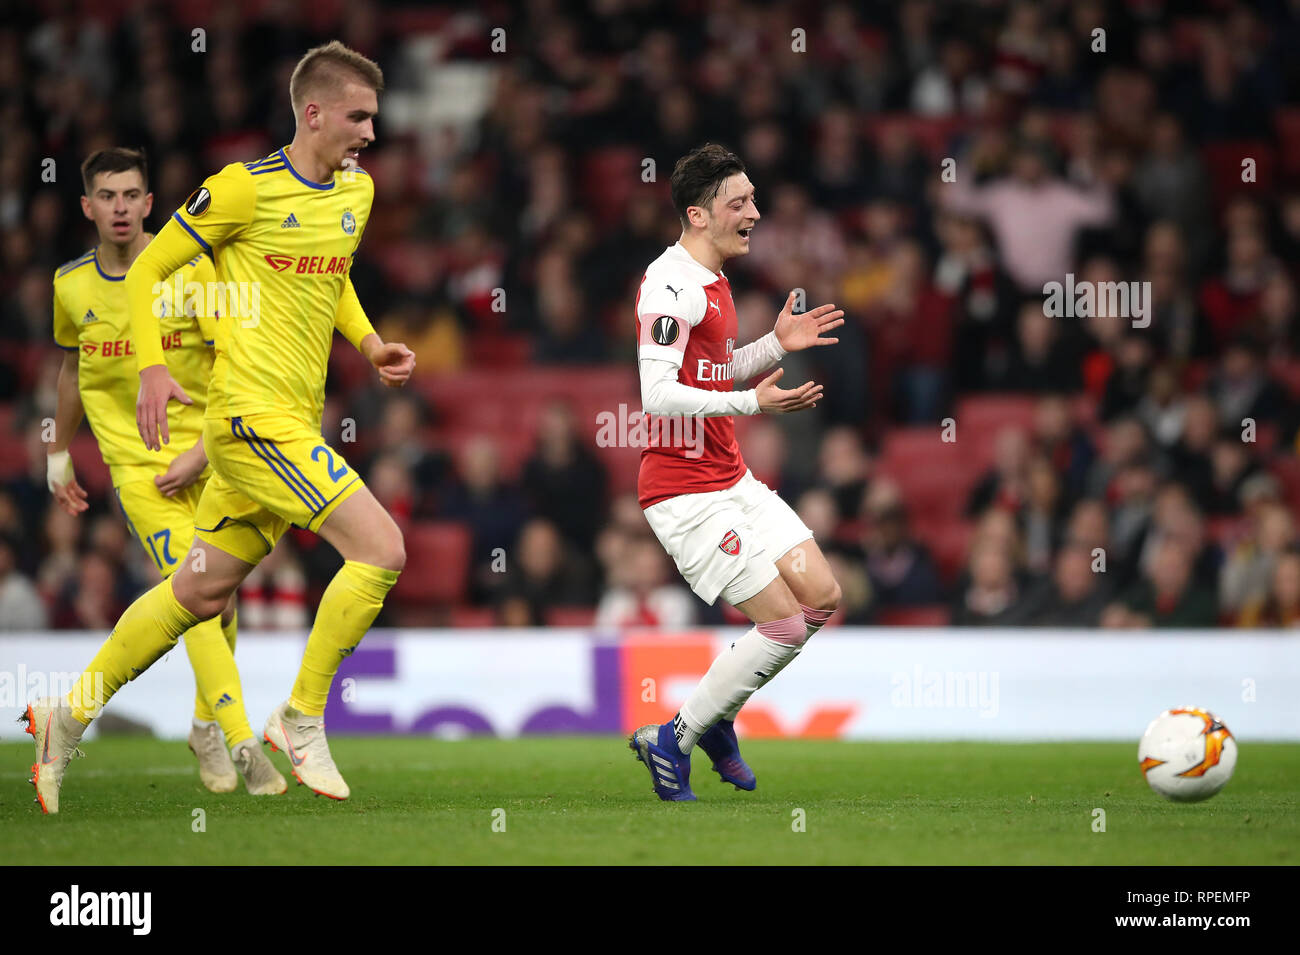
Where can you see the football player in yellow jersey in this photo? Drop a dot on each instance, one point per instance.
(158, 490)
(282, 232)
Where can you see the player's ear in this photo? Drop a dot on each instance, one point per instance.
(148, 204)
(85, 207)
(312, 112)
(697, 216)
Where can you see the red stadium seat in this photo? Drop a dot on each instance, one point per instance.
(571, 616)
(983, 416)
(437, 565)
(949, 543)
(499, 351)
(905, 448)
(507, 407)
(913, 617)
(472, 617)
(934, 475)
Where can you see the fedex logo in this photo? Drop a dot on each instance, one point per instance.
(121, 348)
(384, 688)
(311, 264)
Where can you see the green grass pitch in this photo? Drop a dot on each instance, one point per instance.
(576, 800)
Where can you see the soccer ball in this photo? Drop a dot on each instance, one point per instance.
(1187, 754)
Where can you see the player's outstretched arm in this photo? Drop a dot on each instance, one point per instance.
(68, 412)
(663, 394)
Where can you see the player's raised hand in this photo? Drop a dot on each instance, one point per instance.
(157, 387)
(797, 332)
(394, 362)
(774, 400)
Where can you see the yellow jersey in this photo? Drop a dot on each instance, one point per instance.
(283, 246)
(90, 316)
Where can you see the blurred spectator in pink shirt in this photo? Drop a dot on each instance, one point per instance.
(1033, 214)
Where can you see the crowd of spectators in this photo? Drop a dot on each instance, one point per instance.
(928, 166)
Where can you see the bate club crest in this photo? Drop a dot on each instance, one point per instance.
(730, 543)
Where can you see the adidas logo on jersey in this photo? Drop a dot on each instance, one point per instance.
(290, 222)
(89, 317)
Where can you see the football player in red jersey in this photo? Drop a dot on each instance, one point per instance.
(730, 535)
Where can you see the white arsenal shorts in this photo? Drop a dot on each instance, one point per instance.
(725, 543)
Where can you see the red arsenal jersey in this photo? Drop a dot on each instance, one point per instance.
(685, 315)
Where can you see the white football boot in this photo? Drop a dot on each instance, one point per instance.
(260, 775)
(57, 733)
(303, 740)
(216, 771)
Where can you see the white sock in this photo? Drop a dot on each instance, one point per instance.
(737, 672)
(687, 735)
(813, 620)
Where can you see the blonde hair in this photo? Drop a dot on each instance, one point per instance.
(324, 69)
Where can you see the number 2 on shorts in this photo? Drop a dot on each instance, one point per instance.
(320, 449)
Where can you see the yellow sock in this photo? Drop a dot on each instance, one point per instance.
(218, 678)
(202, 709)
(347, 609)
(148, 629)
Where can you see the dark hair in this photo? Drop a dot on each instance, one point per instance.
(114, 159)
(699, 174)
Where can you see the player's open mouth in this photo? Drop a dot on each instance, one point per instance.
(744, 233)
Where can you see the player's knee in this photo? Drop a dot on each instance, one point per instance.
(397, 557)
(228, 612)
(188, 593)
(200, 594)
(828, 596)
(204, 606)
(390, 552)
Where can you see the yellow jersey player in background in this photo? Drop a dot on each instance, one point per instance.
(282, 232)
(158, 490)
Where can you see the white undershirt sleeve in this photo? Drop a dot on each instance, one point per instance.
(663, 394)
(758, 356)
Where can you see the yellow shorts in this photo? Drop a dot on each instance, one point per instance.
(271, 472)
(163, 525)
